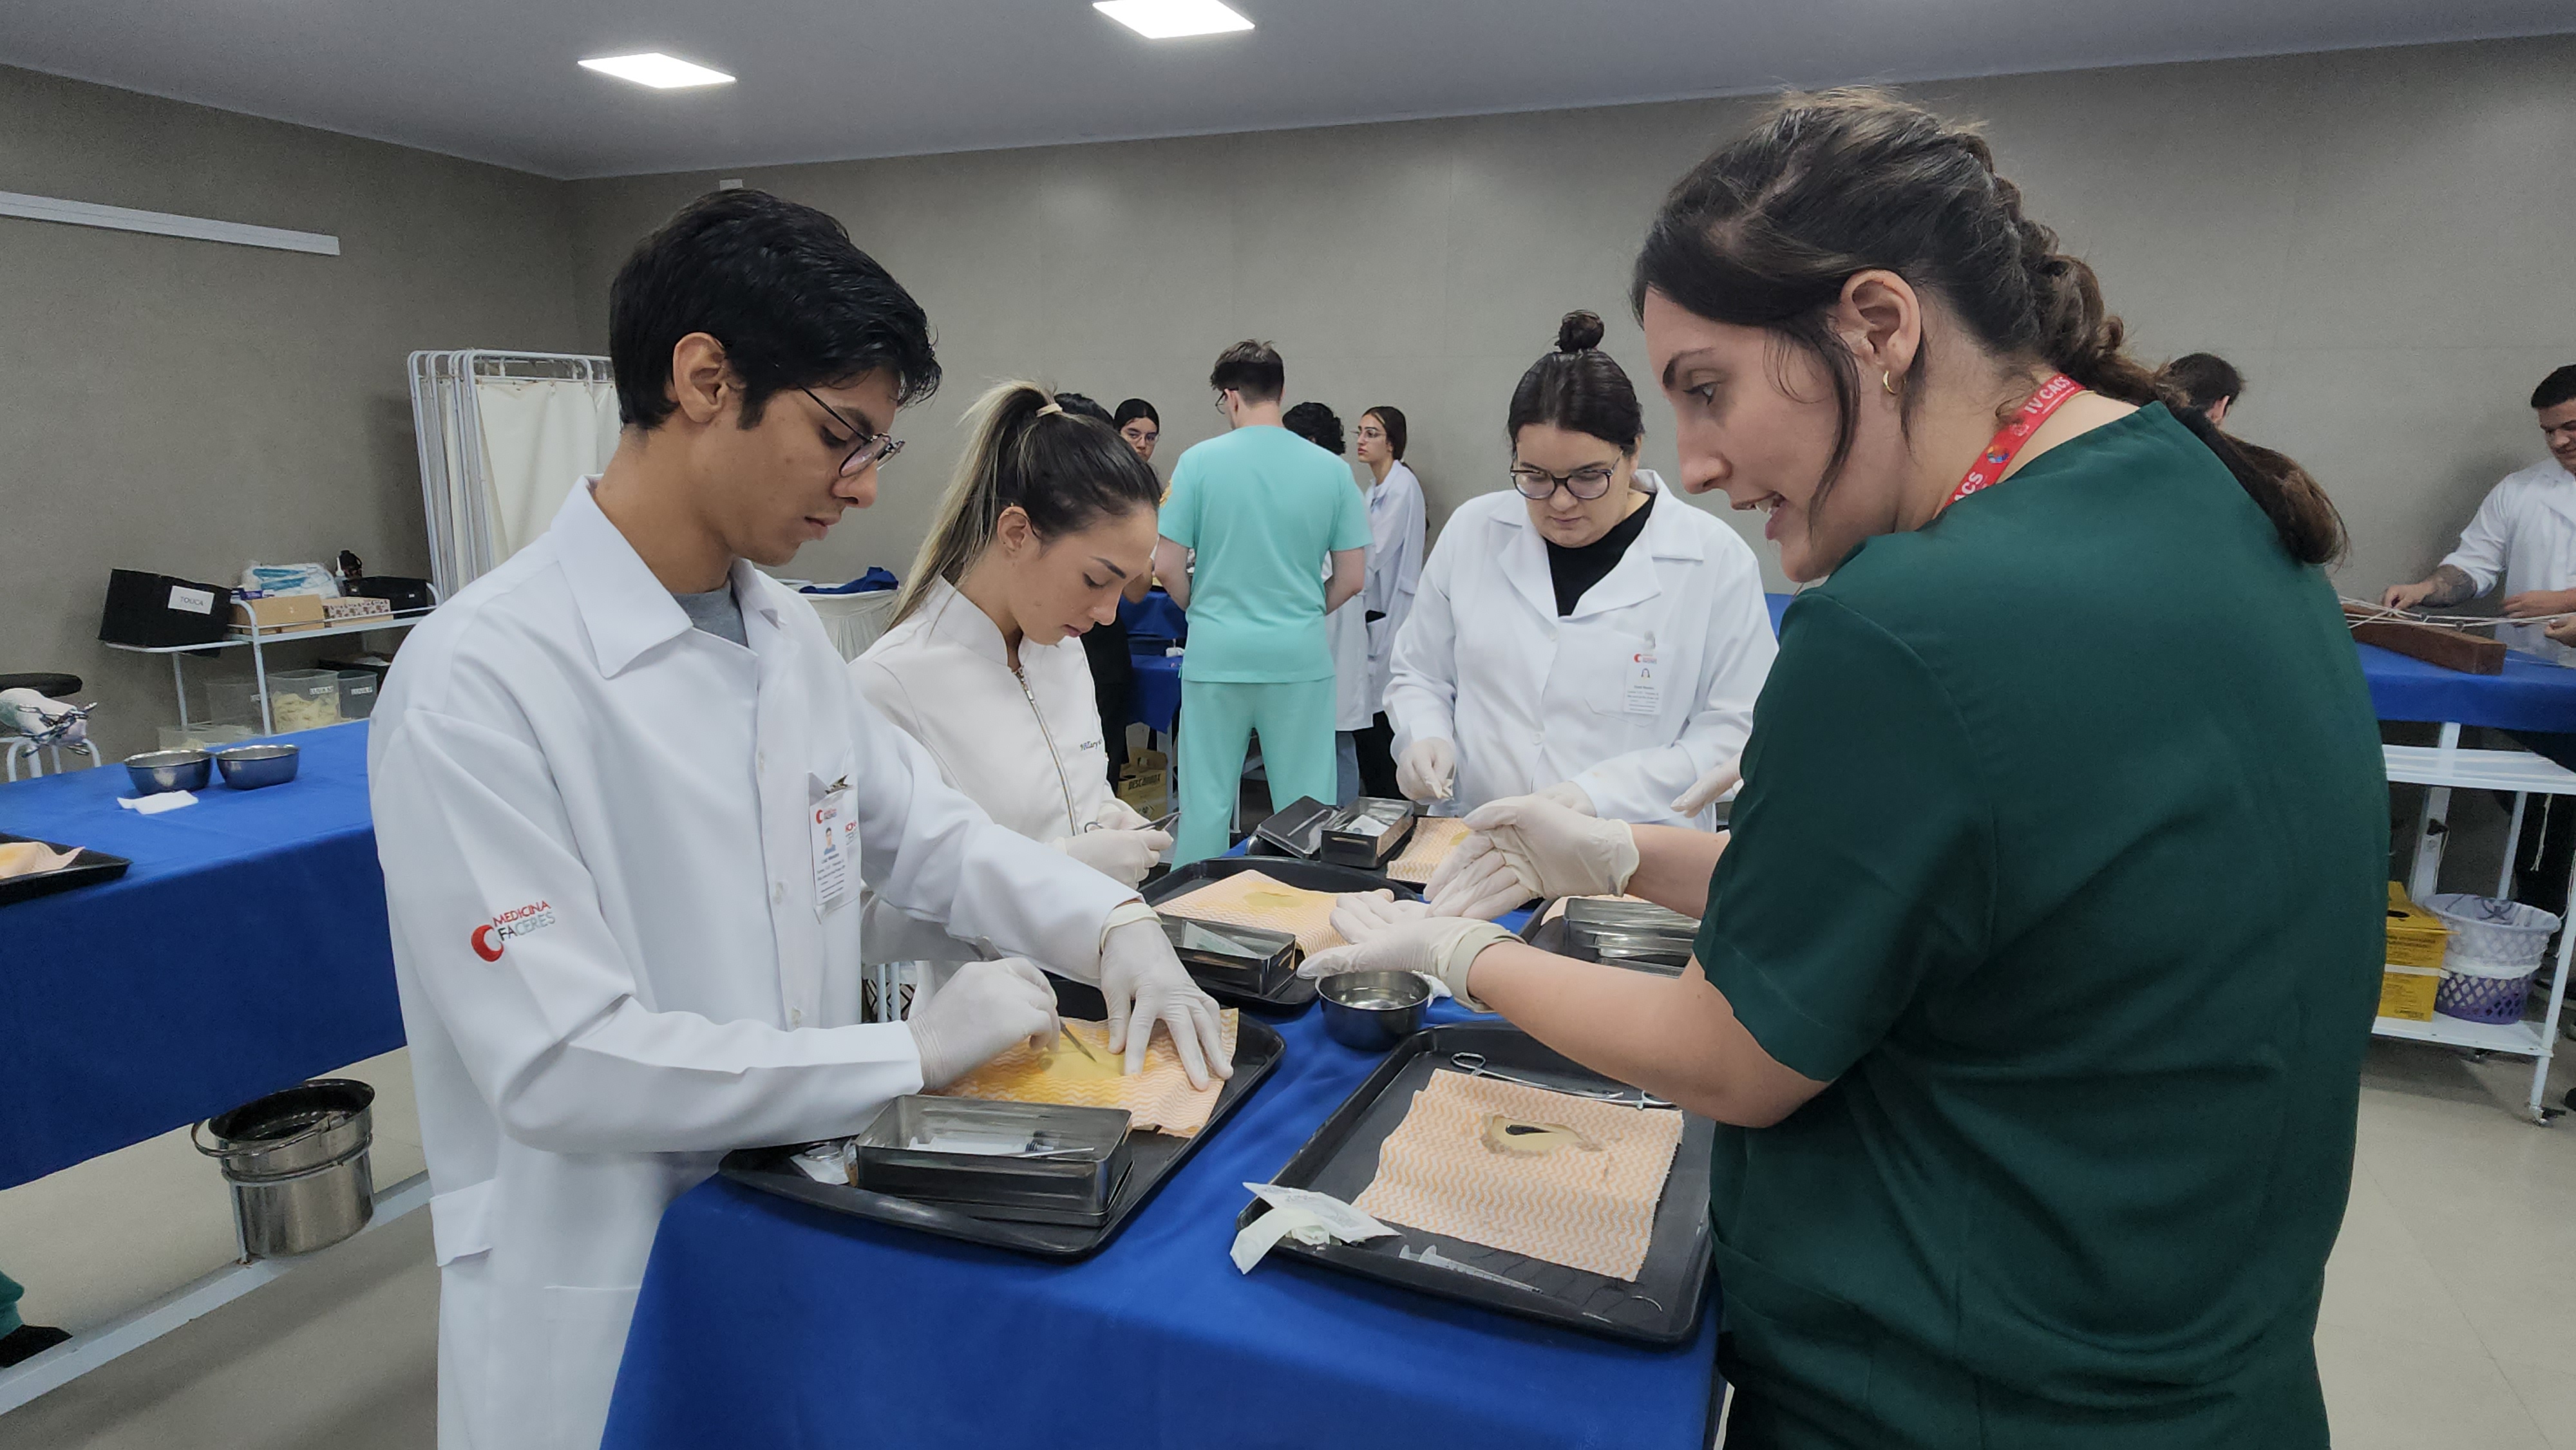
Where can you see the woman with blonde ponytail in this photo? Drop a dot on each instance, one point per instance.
(1049, 517)
(2034, 976)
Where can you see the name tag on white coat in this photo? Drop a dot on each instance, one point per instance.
(836, 847)
(1645, 692)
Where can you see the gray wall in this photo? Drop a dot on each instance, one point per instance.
(185, 406)
(2376, 237)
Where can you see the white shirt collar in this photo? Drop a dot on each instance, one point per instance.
(624, 609)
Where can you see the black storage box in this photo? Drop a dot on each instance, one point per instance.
(405, 595)
(157, 611)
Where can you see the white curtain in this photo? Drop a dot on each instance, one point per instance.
(540, 435)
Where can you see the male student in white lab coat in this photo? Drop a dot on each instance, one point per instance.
(626, 796)
(2524, 532)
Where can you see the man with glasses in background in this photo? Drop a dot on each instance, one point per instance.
(626, 799)
(1265, 510)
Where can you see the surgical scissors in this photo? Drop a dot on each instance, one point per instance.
(1473, 1064)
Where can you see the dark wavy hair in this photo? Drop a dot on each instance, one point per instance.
(794, 301)
(1316, 424)
(1765, 232)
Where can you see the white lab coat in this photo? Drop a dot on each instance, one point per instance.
(598, 838)
(1530, 700)
(1394, 573)
(2525, 533)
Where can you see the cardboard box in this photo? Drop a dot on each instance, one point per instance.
(279, 613)
(2416, 937)
(2406, 993)
(341, 611)
(1148, 792)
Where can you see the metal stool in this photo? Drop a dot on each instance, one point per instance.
(51, 742)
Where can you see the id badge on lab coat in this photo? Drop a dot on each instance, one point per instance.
(836, 847)
(1645, 693)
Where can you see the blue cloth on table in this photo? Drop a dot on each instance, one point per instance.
(876, 580)
(1778, 604)
(1154, 695)
(763, 1322)
(2531, 694)
(245, 951)
(1156, 617)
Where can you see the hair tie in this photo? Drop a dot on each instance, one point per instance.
(1050, 408)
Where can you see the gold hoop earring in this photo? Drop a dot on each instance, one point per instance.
(1887, 381)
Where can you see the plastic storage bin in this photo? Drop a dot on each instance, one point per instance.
(2494, 951)
(303, 699)
(358, 693)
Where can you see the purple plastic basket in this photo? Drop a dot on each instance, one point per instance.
(2482, 999)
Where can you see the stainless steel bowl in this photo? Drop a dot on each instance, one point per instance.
(1373, 1011)
(155, 771)
(248, 767)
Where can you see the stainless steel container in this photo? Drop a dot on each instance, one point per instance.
(1373, 1011)
(1237, 958)
(248, 767)
(1367, 833)
(1029, 1162)
(155, 771)
(296, 1162)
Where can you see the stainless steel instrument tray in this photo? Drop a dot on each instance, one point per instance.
(1025, 1162)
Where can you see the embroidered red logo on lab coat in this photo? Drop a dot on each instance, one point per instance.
(491, 938)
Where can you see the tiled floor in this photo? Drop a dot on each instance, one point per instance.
(2450, 1305)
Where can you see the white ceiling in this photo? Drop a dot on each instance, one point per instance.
(828, 79)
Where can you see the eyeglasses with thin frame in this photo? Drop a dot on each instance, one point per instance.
(870, 447)
(1220, 398)
(1586, 484)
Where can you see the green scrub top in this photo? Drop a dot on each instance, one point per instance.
(1262, 507)
(2060, 860)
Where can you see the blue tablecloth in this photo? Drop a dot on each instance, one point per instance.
(1154, 700)
(244, 952)
(763, 1322)
(1155, 615)
(2531, 694)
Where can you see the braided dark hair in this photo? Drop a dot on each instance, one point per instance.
(1765, 232)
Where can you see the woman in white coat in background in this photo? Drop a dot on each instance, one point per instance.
(1049, 518)
(1396, 538)
(1583, 636)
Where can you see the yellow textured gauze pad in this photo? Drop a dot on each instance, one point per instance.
(1160, 1098)
(1577, 1184)
(1434, 837)
(1249, 898)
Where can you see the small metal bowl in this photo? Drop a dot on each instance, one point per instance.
(155, 771)
(1373, 1011)
(248, 767)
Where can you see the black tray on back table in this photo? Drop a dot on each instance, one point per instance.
(1662, 1308)
(1298, 994)
(1152, 1158)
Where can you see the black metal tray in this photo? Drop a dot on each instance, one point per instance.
(1151, 1158)
(1298, 994)
(1662, 1308)
(1553, 935)
(89, 868)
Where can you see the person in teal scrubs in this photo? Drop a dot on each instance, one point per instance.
(1264, 510)
(19, 1340)
(2033, 982)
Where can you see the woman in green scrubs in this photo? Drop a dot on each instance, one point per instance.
(2035, 977)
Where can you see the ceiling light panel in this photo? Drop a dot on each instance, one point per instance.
(661, 72)
(1172, 19)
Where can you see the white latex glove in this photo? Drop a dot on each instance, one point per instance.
(1428, 772)
(1475, 880)
(1124, 856)
(1544, 850)
(1440, 947)
(983, 1011)
(1117, 815)
(1705, 790)
(1145, 984)
(1361, 915)
(1571, 796)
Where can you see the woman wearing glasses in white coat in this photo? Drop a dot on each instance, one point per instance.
(1584, 636)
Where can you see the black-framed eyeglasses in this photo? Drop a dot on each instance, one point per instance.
(870, 447)
(1586, 484)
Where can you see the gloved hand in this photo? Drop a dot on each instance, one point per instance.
(1571, 796)
(1443, 948)
(1428, 772)
(1145, 984)
(1705, 790)
(1124, 856)
(1544, 850)
(982, 1011)
(1361, 915)
(1117, 815)
(1475, 880)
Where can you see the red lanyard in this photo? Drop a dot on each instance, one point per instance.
(2007, 442)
